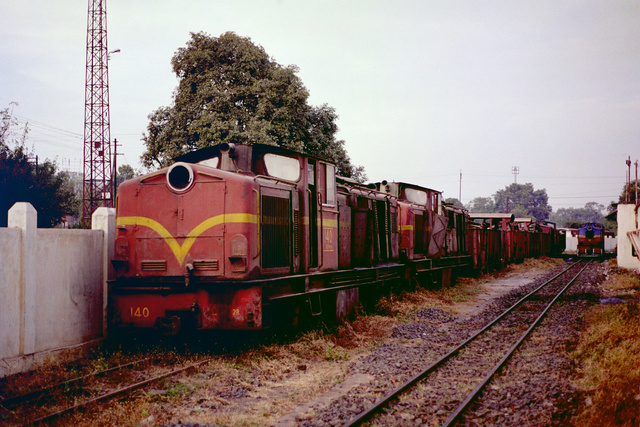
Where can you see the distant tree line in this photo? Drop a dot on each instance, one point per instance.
(523, 200)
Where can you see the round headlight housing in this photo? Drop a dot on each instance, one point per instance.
(180, 177)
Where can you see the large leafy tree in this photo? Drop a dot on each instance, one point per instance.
(24, 179)
(231, 91)
(523, 201)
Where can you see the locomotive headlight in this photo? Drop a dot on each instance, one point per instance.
(121, 260)
(180, 177)
(239, 251)
(122, 248)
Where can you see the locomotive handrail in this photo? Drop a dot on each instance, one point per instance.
(319, 202)
(258, 223)
(277, 180)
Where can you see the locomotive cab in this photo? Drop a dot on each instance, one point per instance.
(421, 219)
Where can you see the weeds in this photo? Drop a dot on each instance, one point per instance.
(609, 359)
(179, 390)
(336, 354)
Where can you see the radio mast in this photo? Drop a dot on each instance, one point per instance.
(97, 183)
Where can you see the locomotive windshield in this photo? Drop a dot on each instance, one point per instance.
(282, 167)
(212, 162)
(415, 196)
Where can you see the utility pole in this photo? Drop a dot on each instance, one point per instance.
(636, 199)
(97, 182)
(628, 197)
(515, 171)
(460, 189)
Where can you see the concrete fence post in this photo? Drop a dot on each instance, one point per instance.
(105, 219)
(24, 216)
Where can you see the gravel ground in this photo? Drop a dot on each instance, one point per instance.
(533, 388)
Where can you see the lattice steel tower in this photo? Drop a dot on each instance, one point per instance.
(97, 185)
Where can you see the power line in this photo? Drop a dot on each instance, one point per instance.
(46, 126)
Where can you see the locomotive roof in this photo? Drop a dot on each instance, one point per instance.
(524, 220)
(595, 224)
(419, 187)
(476, 215)
(215, 150)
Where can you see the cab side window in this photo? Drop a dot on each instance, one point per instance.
(330, 184)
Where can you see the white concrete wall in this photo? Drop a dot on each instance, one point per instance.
(69, 287)
(10, 239)
(52, 287)
(571, 243)
(610, 244)
(628, 220)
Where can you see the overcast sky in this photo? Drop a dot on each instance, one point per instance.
(424, 89)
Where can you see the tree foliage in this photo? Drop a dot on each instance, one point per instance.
(573, 217)
(523, 201)
(454, 201)
(23, 179)
(629, 191)
(231, 91)
(124, 173)
(482, 204)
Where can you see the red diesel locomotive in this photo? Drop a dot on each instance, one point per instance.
(246, 236)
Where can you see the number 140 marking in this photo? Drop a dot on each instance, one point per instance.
(139, 312)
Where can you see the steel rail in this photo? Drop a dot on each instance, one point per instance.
(115, 393)
(460, 409)
(42, 392)
(369, 412)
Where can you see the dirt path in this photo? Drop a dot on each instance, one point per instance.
(496, 288)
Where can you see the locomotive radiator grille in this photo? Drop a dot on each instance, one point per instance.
(153, 265)
(419, 233)
(206, 265)
(276, 234)
(296, 232)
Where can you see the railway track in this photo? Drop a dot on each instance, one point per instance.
(481, 355)
(50, 403)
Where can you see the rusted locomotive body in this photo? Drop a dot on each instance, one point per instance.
(547, 239)
(492, 235)
(591, 237)
(233, 237)
(245, 237)
(498, 239)
(433, 242)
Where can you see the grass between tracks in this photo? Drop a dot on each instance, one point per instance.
(609, 356)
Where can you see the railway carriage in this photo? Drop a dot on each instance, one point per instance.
(250, 236)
